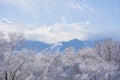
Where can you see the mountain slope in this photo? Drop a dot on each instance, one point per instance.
(77, 44)
(36, 45)
(61, 46)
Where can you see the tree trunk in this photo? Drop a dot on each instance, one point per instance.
(6, 76)
(13, 77)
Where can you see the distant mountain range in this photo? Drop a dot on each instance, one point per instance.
(61, 46)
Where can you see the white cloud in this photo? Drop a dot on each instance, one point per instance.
(50, 33)
(87, 22)
(81, 6)
(117, 10)
(58, 32)
(76, 5)
(63, 19)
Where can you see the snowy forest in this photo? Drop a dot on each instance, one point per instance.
(102, 62)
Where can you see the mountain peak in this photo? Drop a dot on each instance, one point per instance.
(76, 40)
(5, 21)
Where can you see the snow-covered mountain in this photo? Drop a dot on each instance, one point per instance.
(61, 46)
(36, 45)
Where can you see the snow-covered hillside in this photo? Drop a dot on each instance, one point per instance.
(61, 46)
(101, 62)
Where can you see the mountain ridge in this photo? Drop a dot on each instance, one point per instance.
(61, 46)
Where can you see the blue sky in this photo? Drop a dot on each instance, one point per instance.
(51, 19)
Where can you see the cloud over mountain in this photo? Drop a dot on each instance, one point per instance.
(49, 33)
(61, 31)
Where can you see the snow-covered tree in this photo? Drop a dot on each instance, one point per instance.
(85, 64)
(15, 63)
(102, 62)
